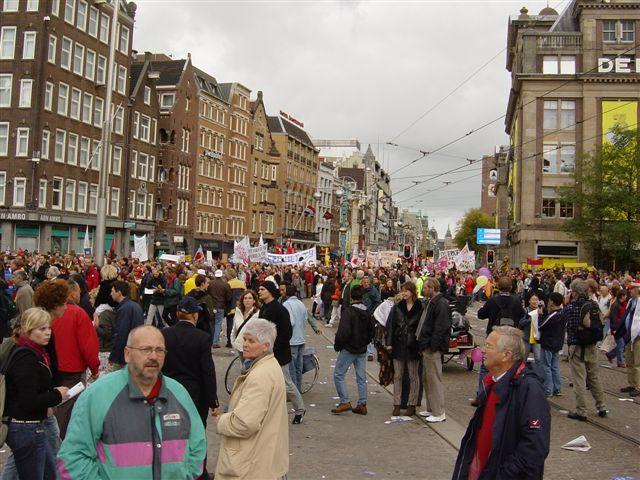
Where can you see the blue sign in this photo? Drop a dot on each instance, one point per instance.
(488, 236)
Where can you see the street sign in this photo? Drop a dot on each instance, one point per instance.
(129, 225)
(488, 236)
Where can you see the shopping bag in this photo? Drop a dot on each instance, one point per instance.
(608, 343)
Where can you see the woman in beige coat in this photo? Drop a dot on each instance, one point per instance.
(254, 433)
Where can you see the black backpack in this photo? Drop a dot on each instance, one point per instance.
(505, 315)
(590, 328)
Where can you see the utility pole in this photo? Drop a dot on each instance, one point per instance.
(105, 144)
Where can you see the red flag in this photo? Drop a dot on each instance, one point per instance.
(290, 248)
(278, 249)
(531, 261)
(327, 215)
(199, 255)
(112, 248)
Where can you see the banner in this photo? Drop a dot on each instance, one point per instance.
(465, 260)
(140, 247)
(241, 251)
(209, 258)
(373, 259)
(388, 258)
(86, 246)
(307, 257)
(258, 254)
(450, 255)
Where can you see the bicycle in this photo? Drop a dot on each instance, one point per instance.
(310, 371)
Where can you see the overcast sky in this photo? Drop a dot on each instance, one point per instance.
(363, 70)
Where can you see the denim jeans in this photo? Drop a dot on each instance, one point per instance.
(617, 351)
(344, 360)
(32, 456)
(550, 364)
(535, 348)
(52, 437)
(293, 394)
(295, 367)
(216, 328)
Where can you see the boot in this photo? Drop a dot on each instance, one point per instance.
(411, 411)
(341, 408)
(396, 411)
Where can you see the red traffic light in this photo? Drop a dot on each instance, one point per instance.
(407, 251)
(490, 256)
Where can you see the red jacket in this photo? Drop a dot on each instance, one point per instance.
(93, 278)
(76, 341)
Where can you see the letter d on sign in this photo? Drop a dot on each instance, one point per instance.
(605, 65)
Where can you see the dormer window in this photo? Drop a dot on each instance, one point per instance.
(616, 31)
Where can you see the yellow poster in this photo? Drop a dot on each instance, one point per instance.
(618, 113)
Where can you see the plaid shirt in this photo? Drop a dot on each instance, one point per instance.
(572, 314)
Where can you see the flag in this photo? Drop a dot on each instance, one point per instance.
(86, 246)
(199, 256)
(278, 248)
(309, 211)
(261, 241)
(327, 215)
(531, 261)
(112, 247)
(290, 248)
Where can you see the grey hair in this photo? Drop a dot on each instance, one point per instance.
(72, 284)
(510, 340)
(20, 273)
(264, 330)
(53, 272)
(579, 287)
(139, 328)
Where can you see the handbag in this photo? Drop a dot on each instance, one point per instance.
(608, 344)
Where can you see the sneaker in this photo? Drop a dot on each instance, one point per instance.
(575, 416)
(622, 365)
(434, 419)
(425, 413)
(603, 413)
(634, 393)
(626, 389)
(341, 408)
(369, 358)
(297, 418)
(475, 402)
(361, 409)
(557, 393)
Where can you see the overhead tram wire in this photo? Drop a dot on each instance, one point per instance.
(471, 162)
(475, 130)
(436, 174)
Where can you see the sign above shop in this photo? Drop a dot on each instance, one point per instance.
(212, 154)
(618, 65)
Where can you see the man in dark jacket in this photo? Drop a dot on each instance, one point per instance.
(129, 315)
(273, 311)
(354, 333)
(204, 300)
(552, 328)
(220, 292)
(155, 286)
(432, 334)
(508, 436)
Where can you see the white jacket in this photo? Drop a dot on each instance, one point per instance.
(238, 320)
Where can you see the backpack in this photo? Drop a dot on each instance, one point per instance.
(590, 328)
(4, 427)
(505, 315)
(8, 307)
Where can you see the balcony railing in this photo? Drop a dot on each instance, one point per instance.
(555, 41)
(300, 235)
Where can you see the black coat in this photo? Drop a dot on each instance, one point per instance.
(401, 331)
(276, 313)
(434, 329)
(355, 331)
(189, 362)
(491, 310)
(521, 429)
(552, 328)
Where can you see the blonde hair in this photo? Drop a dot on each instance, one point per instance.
(108, 272)
(32, 319)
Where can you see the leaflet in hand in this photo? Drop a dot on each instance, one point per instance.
(73, 391)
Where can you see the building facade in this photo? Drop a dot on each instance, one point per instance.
(491, 165)
(574, 76)
(325, 194)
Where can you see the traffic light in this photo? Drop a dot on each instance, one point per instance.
(407, 251)
(490, 257)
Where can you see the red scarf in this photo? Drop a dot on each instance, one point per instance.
(39, 350)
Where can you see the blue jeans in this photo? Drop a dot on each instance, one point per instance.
(295, 367)
(52, 437)
(216, 328)
(33, 458)
(550, 364)
(344, 360)
(617, 351)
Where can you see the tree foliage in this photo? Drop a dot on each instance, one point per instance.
(606, 200)
(467, 225)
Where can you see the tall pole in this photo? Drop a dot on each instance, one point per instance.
(105, 143)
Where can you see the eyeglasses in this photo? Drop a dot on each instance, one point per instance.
(146, 351)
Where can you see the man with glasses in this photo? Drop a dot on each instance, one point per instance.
(135, 423)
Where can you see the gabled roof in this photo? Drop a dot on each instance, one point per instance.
(208, 84)
(281, 125)
(225, 91)
(170, 71)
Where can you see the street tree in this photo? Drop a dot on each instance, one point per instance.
(606, 201)
(467, 225)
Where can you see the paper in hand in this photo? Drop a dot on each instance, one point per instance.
(74, 391)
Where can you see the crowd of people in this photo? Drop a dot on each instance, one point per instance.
(141, 335)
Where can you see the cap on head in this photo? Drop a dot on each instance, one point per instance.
(218, 274)
(271, 287)
(189, 305)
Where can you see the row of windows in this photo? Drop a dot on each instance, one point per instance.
(239, 124)
(212, 111)
(13, 5)
(267, 172)
(208, 223)
(144, 128)
(235, 201)
(300, 174)
(184, 173)
(208, 195)
(618, 31)
(209, 167)
(553, 207)
(182, 213)
(140, 205)
(211, 140)
(237, 149)
(8, 36)
(268, 222)
(6, 91)
(143, 166)
(235, 226)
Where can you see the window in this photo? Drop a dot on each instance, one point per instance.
(568, 114)
(78, 59)
(6, 83)
(19, 191)
(143, 161)
(185, 140)
(81, 19)
(69, 11)
(567, 158)
(90, 65)
(82, 196)
(74, 110)
(104, 28)
(48, 96)
(42, 194)
(29, 46)
(166, 100)
(150, 206)
(147, 95)
(63, 98)
(61, 140)
(627, 31)
(22, 142)
(98, 107)
(87, 107)
(121, 80)
(566, 209)
(134, 164)
(618, 31)
(117, 119)
(144, 128)
(96, 154)
(7, 43)
(562, 64)
(46, 144)
(562, 110)
(4, 139)
(70, 195)
(51, 52)
(101, 70)
(114, 201)
(72, 149)
(33, 5)
(136, 125)
(141, 204)
(116, 159)
(93, 198)
(152, 168)
(84, 151)
(10, 6)
(56, 193)
(124, 39)
(274, 172)
(3, 186)
(55, 7)
(65, 53)
(93, 22)
(26, 85)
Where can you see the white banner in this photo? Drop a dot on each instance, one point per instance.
(306, 257)
(450, 256)
(388, 258)
(209, 258)
(140, 247)
(258, 254)
(241, 251)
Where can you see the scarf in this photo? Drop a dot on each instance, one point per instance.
(39, 350)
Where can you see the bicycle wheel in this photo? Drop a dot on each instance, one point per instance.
(233, 372)
(310, 377)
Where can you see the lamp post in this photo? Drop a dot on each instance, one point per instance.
(105, 143)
